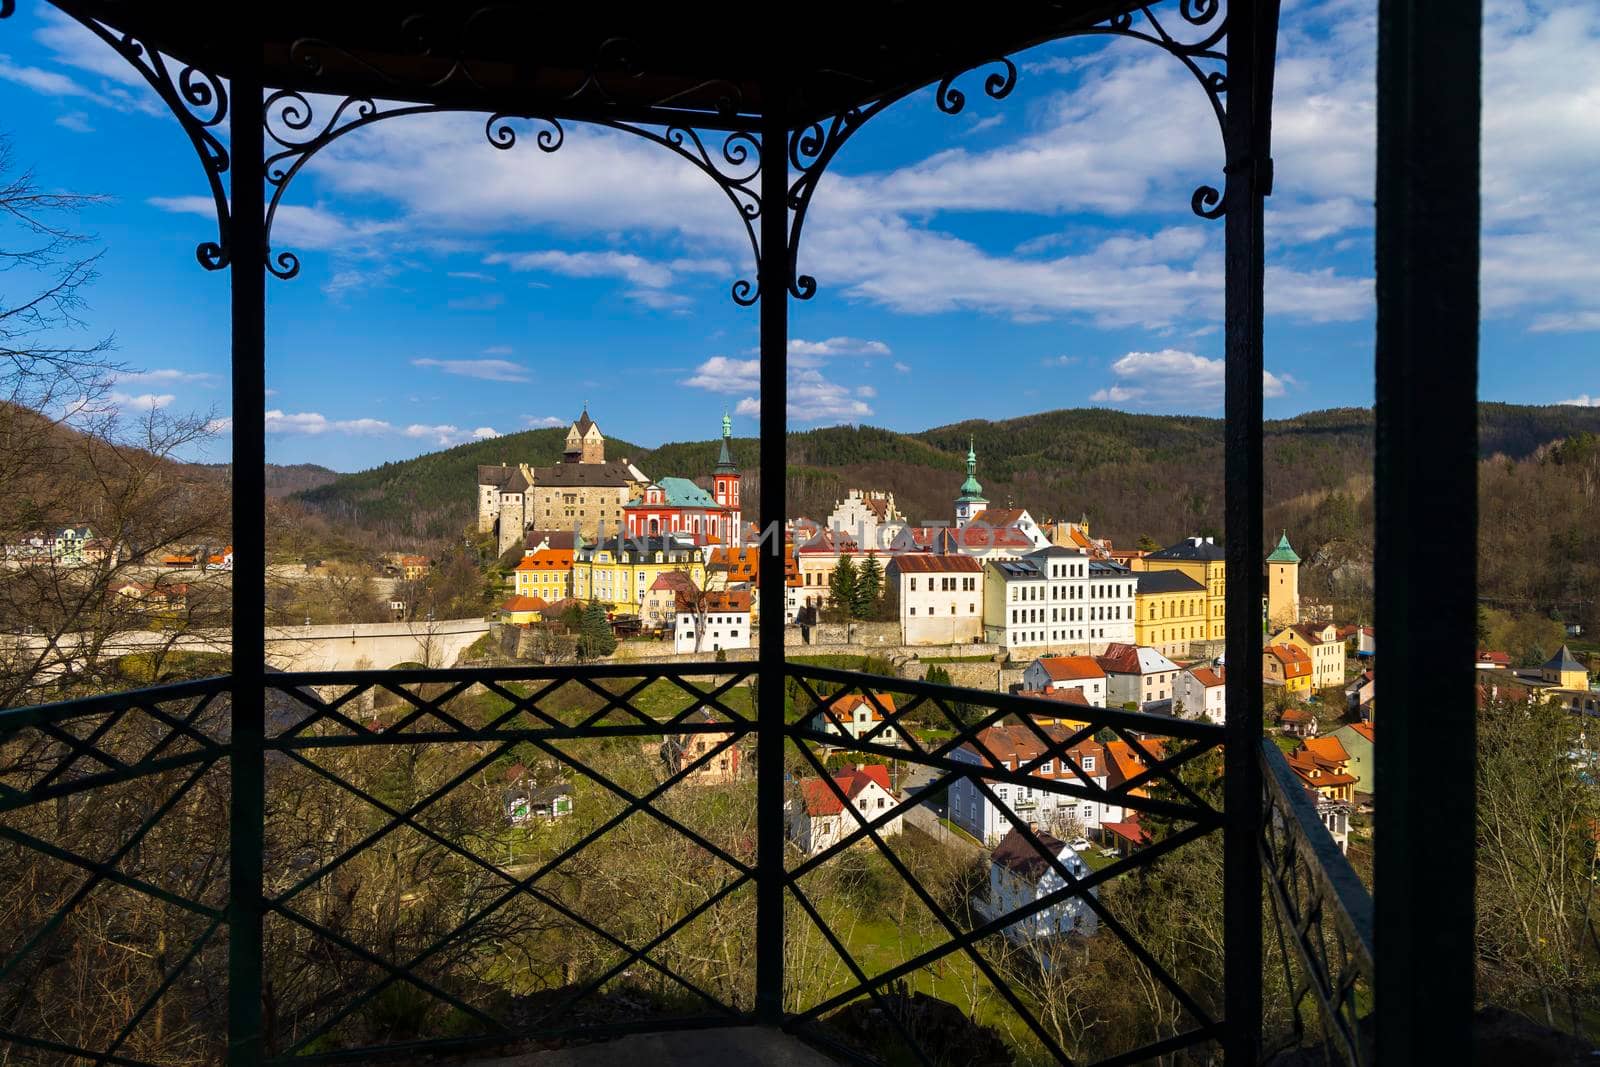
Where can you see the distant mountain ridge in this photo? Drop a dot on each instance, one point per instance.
(1131, 475)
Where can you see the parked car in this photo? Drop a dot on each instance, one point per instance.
(1081, 845)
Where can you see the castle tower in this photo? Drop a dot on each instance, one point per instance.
(585, 442)
(725, 485)
(1283, 585)
(971, 501)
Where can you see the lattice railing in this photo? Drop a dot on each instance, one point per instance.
(422, 884)
(1323, 914)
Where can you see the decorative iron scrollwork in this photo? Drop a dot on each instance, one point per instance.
(198, 99)
(997, 86)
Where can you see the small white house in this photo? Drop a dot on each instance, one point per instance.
(1020, 874)
(712, 622)
(1203, 692)
(1137, 674)
(817, 818)
(941, 598)
(856, 716)
(1042, 803)
(1067, 672)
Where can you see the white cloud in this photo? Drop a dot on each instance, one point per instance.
(167, 375)
(719, 374)
(1060, 361)
(313, 423)
(470, 275)
(489, 370)
(219, 426)
(837, 346)
(142, 401)
(497, 350)
(76, 121)
(299, 227)
(748, 406)
(641, 272)
(542, 421)
(1172, 379)
(446, 434)
(1567, 322)
(903, 368)
(1583, 400)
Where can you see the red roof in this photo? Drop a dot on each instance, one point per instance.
(1129, 830)
(1067, 694)
(820, 799)
(1296, 664)
(1120, 658)
(730, 600)
(1210, 676)
(1364, 729)
(678, 580)
(1499, 659)
(925, 562)
(1071, 668)
(524, 603)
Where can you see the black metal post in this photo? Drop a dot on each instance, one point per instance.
(773, 274)
(1252, 41)
(247, 250)
(1429, 103)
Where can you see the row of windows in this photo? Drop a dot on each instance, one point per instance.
(948, 585)
(972, 609)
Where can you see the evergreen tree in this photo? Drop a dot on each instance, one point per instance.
(869, 583)
(842, 585)
(595, 638)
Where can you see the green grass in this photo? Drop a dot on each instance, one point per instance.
(1286, 743)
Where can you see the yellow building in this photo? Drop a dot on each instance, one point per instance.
(618, 572)
(1169, 611)
(1283, 585)
(521, 610)
(1565, 672)
(1202, 559)
(546, 574)
(1288, 666)
(1322, 645)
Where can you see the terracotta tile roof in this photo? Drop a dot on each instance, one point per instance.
(1295, 715)
(821, 800)
(547, 559)
(1210, 676)
(1129, 830)
(730, 600)
(1019, 745)
(524, 603)
(1120, 658)
(1125, 763)
(1364, 729)
(1016, 854)
(1296, 664)
(1070, 668)
(1326, 748)
(925, 562)
(1500, 659)
(674, 580)
(1064, 694)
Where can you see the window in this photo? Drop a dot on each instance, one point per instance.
(1048, 767)
(1087, 763)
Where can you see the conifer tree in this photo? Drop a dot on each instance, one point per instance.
(842, 585)
(595, 638)
(869, 583)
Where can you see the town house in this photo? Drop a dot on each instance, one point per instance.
(1011, 748)
(1082, 673)
(941, 598)
(1137, 675)
(1020, 874)
(817, 819)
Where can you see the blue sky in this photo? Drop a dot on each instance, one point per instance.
(1028, 254)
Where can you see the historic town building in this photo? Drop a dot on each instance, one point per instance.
(678, 505)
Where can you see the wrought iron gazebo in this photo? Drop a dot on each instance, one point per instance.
(762, 108)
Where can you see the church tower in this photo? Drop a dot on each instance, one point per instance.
(1283, 585)
(971, 501)
(725, 485)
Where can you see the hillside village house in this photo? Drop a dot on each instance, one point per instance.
(618, 572)
(856, 715)
(817, 554)
(1203, 693)
(1361, 691)
(941, 598)
(817, 819)
(520, 610)
(659, 609)
(1204, 561)
(1170, 611)
(1082, 673)
(545, 573)
(1321, 765)
(1137, 675)
(1357, 740)
(677, 751)
(1287, 666)
(1321, 643)
(1020, 874)
(1012, 748)
(713, 621)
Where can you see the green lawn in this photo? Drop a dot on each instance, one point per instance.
(1286, 743)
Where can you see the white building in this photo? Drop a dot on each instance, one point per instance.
(1137, 674)
(1203, 692)
(1015, 610)
(1067, 672)
(941, 598)
(1043, 805)
(854, 715)
(712, 622)
(1015, 519)
(817, 818)
(1111, 591)
(869, 517)
(1020, 874)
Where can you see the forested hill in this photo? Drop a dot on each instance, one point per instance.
(1130, 475)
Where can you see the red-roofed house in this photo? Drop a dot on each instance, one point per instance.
(521, 610)
(1287, 666)
(1322, 765)
(1489, 660)
(817, 819)
(1039, 803)
(658, 608)
(1203, 692)
(855, 715)
(1062, 672)
(712, 621)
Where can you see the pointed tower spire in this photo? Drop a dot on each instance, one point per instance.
(971, 501)
(725, 454)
